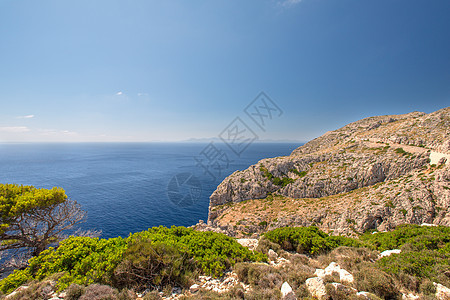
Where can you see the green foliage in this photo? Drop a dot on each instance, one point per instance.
(420, 237)
(16, 200)
(266, 173)
(34, 218)
(177, 253)
(213, 252)
(282, 181)
(402, 152)
(308, 240)
(14, 280)
(425, 251)
(420, 264)
(376, 281)
(154, 264)
(299, 173)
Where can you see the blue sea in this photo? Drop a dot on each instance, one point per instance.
(129, 187)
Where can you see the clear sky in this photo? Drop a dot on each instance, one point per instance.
(141, 70)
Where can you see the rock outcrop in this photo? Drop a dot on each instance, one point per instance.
(375, 173)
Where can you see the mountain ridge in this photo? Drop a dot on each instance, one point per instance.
(383, 171)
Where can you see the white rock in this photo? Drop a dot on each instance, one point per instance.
(249, 243)
(194, 288)
(320, 273)
(389, 252)
(316, 287)
(20, 288)
(272, 254)
(442, 292)
(286, 292)
(344, 275)
(428, 224)
(364, 294)
(410, 296)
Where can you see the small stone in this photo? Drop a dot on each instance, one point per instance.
(410, 296)
(366, 295)
(389, 252)
(272, 254)
(286, 292)
(194, 288)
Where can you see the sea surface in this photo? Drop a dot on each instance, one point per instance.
(129, 187)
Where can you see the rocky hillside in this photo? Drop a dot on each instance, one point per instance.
(375, 173)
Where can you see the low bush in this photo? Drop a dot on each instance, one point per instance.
(74, 291)
(420, 237)
(179, 252)
(146, 264)
(308, 240)
(213, 252)
(376, 281)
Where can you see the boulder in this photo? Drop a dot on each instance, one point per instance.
(316, 287)
(344, 275)
(287, 293)
(442, 292)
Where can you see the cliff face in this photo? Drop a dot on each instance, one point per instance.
(375, 173)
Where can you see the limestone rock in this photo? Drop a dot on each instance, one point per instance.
(442, 292)
(272, 255)
(316, 287)
(194, 288)
(368, 296)
(251, 244)
(19, 289)
(389, 253)
(410, 296)
(287, 293)
(373, 174)
(333, 267)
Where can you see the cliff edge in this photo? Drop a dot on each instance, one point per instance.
(375, 173)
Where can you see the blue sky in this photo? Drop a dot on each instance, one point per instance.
(173, 70)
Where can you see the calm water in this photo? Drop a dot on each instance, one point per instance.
(124, 187)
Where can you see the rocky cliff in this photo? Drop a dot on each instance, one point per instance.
(375, 173)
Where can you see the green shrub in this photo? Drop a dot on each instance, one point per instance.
(308, 240)
(420, 237)
(301, 174)
(376, 281)
(85, 261)
(14, 280)
(74, 292)
(213, 252)
(152, 264)
(282, 181)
